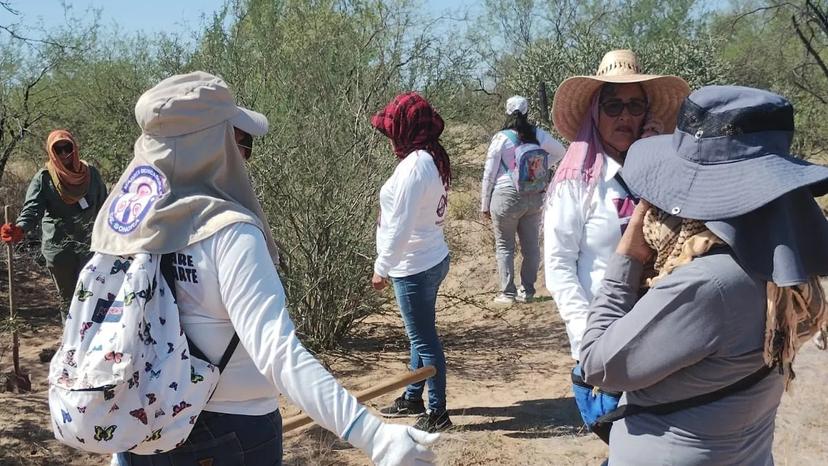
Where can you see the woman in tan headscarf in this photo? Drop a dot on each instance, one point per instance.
(64, 197)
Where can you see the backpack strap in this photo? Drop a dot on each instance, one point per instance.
(512, 136)
(624, 186)
(168, 272)
(674, 406)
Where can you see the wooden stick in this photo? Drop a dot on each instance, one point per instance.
(295, 422)
(10, 264)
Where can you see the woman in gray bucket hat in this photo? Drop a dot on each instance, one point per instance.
(737, 241)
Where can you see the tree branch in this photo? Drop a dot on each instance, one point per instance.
(809, 47)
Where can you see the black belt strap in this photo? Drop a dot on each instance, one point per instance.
(668, 408)
(168, 272)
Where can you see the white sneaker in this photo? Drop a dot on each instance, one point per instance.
(504, 299)
(524, 297)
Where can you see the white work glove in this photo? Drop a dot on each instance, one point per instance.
(392, 444)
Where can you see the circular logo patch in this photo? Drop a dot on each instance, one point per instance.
(140, 191)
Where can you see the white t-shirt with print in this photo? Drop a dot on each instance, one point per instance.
(413, 204)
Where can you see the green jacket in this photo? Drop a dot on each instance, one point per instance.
(65, 227)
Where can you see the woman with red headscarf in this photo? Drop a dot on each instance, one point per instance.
(411, 249)
(64, 197)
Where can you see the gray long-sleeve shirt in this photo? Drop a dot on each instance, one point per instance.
(699, 329)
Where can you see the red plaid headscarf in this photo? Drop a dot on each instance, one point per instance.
(412, 124)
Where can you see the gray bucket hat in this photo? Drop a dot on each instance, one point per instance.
(729, 155)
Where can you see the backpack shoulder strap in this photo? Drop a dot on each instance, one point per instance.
(512, 135)
(168, 272)
(674, 406)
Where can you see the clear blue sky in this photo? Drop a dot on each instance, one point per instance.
(150, 16)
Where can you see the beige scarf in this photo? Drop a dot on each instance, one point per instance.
(794, 313)
(71, 182)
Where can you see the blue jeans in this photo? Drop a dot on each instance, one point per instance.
(417, 298)
(219, 439)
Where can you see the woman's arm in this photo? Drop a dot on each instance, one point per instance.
(630, 345)
(490, 171)
(34, 206)
(552, 146)
(563, 226)
(255, 301)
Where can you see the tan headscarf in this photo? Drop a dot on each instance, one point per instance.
(71, 182)
(187, 179)
(794, 313)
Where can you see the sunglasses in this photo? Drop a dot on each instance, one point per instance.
(614, 107)
(246, 146)
(63, 148)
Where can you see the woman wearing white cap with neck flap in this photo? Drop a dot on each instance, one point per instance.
(513, 207)
(187, 192)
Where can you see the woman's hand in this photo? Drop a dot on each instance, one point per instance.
(632, 241)
(378, 282)
(652, 127)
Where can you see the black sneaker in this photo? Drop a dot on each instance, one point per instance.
(403, 408)
(433, 422)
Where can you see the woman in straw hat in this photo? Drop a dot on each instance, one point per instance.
(738, 243)
(187, 191)
(64, 197)
(510, 211)
(589, 204)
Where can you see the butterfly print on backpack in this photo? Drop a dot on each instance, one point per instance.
(195, 378)
(139, 414)
(180, 407)
(84, 327)
(69, 358)
(133, 381)
(119, 266)
(104, 433)
(155, 435)
(82, 293)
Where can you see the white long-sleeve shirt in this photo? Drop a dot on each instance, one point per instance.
(502, 149)
(580, 236)
(413, 205)
(228, 281)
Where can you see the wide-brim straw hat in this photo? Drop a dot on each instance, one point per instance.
(572, 99)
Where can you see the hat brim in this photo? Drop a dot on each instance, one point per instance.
(250, 122)
(658, 174)
(572, 98)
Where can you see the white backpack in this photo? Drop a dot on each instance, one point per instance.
(124, 378)
(531, 173)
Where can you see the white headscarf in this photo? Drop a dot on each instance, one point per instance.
(187, 179)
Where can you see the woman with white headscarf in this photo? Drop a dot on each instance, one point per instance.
(187, 192)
